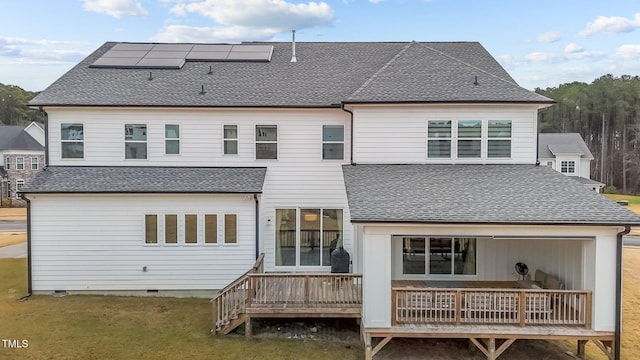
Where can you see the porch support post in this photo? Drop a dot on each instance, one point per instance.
(581, 347)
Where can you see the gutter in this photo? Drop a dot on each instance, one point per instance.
(29, 264)
(350, 133)
(255, 197)
(618, 327)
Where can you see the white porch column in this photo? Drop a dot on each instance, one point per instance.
(376, 280)
(600, 273)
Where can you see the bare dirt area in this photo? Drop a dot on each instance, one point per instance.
(13, 214)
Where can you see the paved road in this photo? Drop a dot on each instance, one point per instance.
(13, 225)
(14, 251)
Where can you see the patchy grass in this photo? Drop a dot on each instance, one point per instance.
(11, 238)
(110, 327)
(13, 214)
(634, 202)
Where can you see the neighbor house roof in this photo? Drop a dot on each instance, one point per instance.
(13, 137)
(586, 181)
(326, 74)
(554, 144)
(505, 194)
(67, 179)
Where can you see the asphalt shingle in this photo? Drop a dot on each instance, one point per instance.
(13, 137)
(326, 74)
(552, 144)
(475, 194)
(68, 179)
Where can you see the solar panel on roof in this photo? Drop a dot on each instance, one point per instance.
(173, 56)
(126, 46)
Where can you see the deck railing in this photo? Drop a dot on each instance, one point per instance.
(491, 306)
(306, 290)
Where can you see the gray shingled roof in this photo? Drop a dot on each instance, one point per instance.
(585, 181)
(475, 194)
(13, 137)
(326, 74)
(550, 145)
(68, 179)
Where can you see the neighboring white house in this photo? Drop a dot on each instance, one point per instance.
(21, 156)
(568, 154)
(172, 166)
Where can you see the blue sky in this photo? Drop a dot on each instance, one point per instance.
(541, 43)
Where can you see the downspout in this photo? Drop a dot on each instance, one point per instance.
(46, 137)
(618, 329)
(350, 133)
(255, 197)
(29, 278)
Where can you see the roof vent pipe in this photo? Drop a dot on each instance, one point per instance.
(293, 46)
(476, 81)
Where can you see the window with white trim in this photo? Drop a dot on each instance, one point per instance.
(19, 185)
(191, 229)
(266, 141)
(151, 229)
(135, 141)
(230, 228)
(499, 139)
(550, 163)
(72, 141)
(34, 163)
(19, 163)
(438, 255)
(211, 229)
(230, 139)
(333, 142)
(439, 139)
(469, 138)
(171, 229)
(7, 163)
(171, 139)
(568, 167)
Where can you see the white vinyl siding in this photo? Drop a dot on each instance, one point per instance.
(106, 248)
(399, 134)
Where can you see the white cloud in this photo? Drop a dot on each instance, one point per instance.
(548, 37)
(611, 25)
(262, 13)
(184, 33)
(572, 48)
(540, 57)
(115, 8)
(41, 50)
(628, 52)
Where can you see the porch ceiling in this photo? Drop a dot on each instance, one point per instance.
(501, 194)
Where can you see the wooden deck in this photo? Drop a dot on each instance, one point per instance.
(281, 295)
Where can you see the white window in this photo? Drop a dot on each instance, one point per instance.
(72, 141)
(230, 142)
(171, 229)
(19, 185)
(34, 163)
(306, 237)
(171, 139)
(469, 139)
(20, 163)
(230, 229)
(7, 163)
(135, 141)
(550, 163)
(568, 167)
(333, 142)
(499, 139)
(266, 141)
(439, 139)
(211, 229)
(438, 256)
(8, 189)
(191, 229)
(151, 229)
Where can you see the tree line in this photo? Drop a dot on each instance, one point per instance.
(606, 113)
(13, 106)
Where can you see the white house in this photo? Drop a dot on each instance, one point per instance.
(568, 154)
(171, 167)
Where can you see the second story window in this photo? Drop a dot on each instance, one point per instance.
(72, 141)
(34, 163)
(469, 138)
(135, 141)
(568, 167)
(19, 163)
(171, 139)
(499, 139)
(439, 139)
(266, 141)
(7, 163)
(230, 139)
(333, 142)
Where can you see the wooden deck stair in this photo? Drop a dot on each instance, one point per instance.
(256, 294)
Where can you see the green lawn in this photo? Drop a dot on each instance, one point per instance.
(110, 327)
